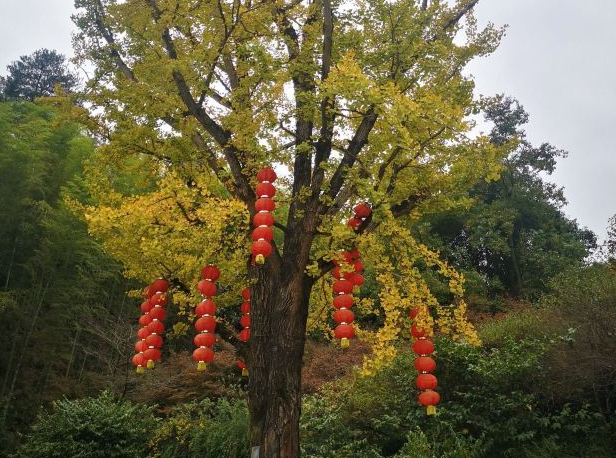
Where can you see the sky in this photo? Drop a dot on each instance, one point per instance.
(557, 59)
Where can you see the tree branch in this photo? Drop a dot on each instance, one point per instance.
(358, 141)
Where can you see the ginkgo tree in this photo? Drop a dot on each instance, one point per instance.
(355, 101)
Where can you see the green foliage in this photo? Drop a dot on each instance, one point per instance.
(63, 312)
(490, 407)
(205, 429)
(514, 238)
(102, 427)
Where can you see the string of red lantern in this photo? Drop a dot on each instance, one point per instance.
(263, 221)
(348, 276)
(206, 321)
(426, 382)
(244, 334)
(152, 322)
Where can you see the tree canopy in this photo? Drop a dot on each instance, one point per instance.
(351, 102)
(37, 75)
(514, 237)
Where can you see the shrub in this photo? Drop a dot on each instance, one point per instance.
(204, 429)
(101, 427)
(489, 407)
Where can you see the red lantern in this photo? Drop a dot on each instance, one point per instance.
(140, 361)
(143, 333)
(205, 323)
(425, 364)
(206, 307)
(242, 365)
(346, 258)
(423, 347)
(262, 233)
(159, 286)
(141, 346)
(426, 382)
(359, 267)
(344, 316)
(343, 301)
(245, 321)
(343, 287)
(146, 319)
(354, 253)
(245, 307)
(151, 355)
(344, 332)
(158, 299)
(244, 335)
(154, 340)
(266, 175)
(263, 219)
(265, 190)
(354, 223)
(156, 327)
(261, 250)
(207, 288)
(429, 399)
(417, 332)
(362, 211)
(246, 294)
(265, 204)
(158, 313)
(355, 278)
(210, 272)
(204, 339)
(146, 306)
(203, 355)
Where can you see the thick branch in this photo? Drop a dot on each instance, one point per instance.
(220, 135)
(358, 141)
(324, 144)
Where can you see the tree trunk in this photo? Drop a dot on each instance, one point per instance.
(279, 312)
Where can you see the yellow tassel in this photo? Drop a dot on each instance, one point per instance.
(260, 259)
(344, 342)
(151, 364)
(431, 410)
(201, 366)
(140, 369)
(244, 372)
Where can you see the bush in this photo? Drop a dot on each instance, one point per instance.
(102, 427)
(204, 429)
(489, 408)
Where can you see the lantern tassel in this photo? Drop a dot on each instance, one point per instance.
(150, 364)
(260, 259)
(140, 369)
(344, 342)
(431, 410)
(244, 372)
(201, 366)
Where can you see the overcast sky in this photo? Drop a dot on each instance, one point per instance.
(557, 59)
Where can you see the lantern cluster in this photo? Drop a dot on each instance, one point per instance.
(206, 320)
(263, 221)
(426, 382)
(152, 325)
(348, 274)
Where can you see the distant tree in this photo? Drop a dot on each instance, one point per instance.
(36, 75)
(515, 236)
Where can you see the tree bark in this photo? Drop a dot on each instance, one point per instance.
(279, 311)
